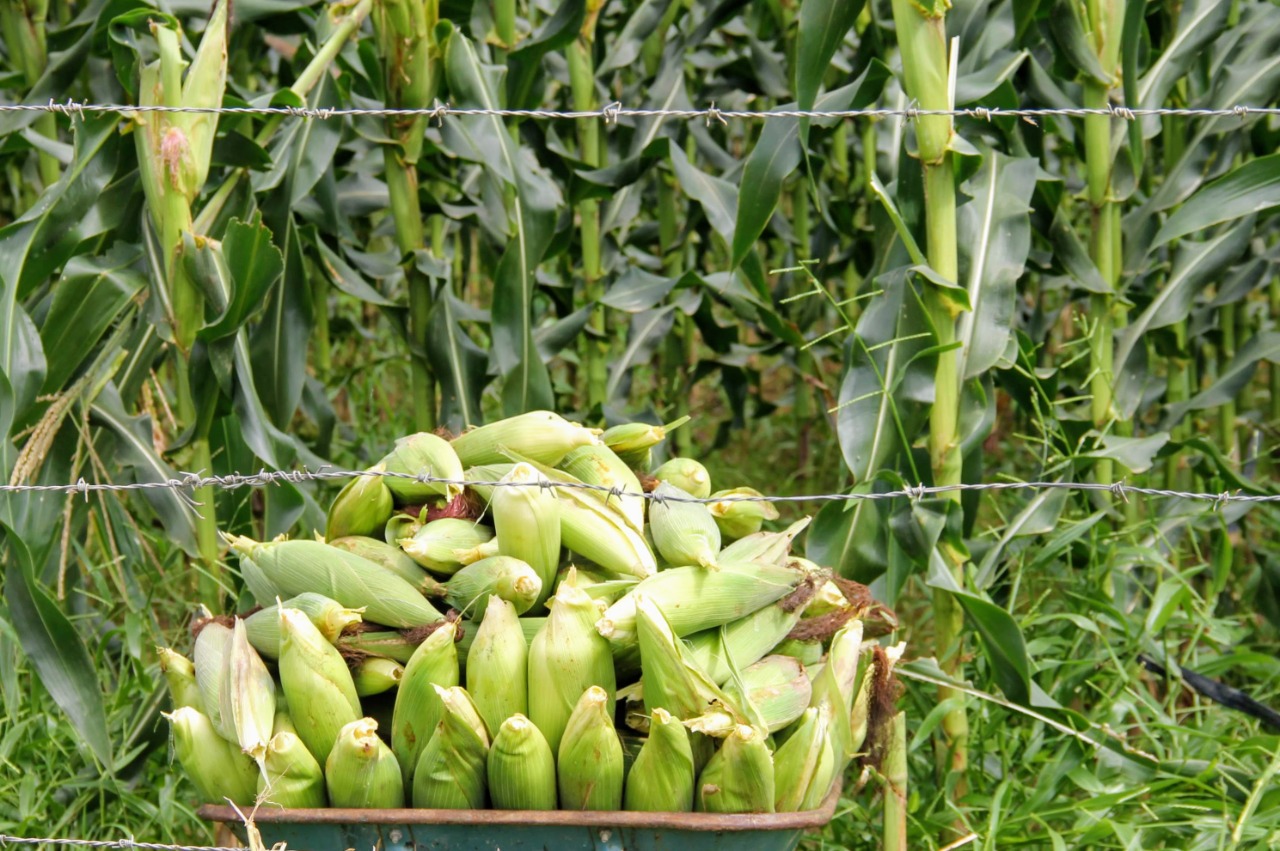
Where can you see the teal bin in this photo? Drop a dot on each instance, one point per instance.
(513, 830)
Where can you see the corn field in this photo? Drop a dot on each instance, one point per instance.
(937, 294)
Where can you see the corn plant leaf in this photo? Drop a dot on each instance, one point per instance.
(977, 84)
(821, 31)
(1195, 266)
(253, 265)
(850, 538)
(717, 196)
(1137, 454)
(888, 384)
(1037, 518)
(1199, 22)
(458, 363)
(527, 384)
(280, 341)
(524, 64)
(1251, 188)
(1069, 28)
(647, 330)
(55, 648)
(1264, 346)
(636, 290)
(552, 338)
(1074, 256)
(994, 236)
(777, 153)
(626, 45)
(135, 452)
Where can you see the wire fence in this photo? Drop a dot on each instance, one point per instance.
(613, 112)
(190, 482)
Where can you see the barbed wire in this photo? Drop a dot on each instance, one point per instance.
(193, 481)
(611, 113)
(6, 840)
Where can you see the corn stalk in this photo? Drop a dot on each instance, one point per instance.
(922, 39)
(410, 60)
(22, 26)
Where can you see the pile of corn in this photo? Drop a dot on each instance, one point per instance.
(678, 659)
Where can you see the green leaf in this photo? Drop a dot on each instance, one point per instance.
(717, 197)
(647, 331)
(994, 236)
(1251, 188)
(253, 265)
(1037, 518)
(820, 32)
(1199, 23)
(636, 290)
(524, 64)
(850, 539)
(86, 301)
(1074, 256)
(280, 340)
(527, 384)
(1264, 346)
(55, 649)
(1136, 453)
(347, 279)
(458, 363)
(1070, 31)
(627, 44)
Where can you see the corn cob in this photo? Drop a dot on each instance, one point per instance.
(746, 640)
(567, 657)
(671, 681)
(291, 776)
(600, 585)
(283, 722)
(838, 682)
(418, 708)
(487, 473)
(298, 566)
(209, 656)
(597, 531)
(739, 777)
(361, 772)
(488, 549)
(589, 769)
(687, 475)
(217, 768)
(521, 770)
(259, 585)
(180, 675)
(393, 559)
(768, 547)
(438, 544)
(634, 442)
(328, 616)
(807, 651)
(527, 522)
(661, 778)
(694, 599)
(777, 687)
(684, 532)
(869, 674)
(539, 435)
(828, 599)
(799, 761)
(450, 774)
(599, 465)
(419, 454)
(362, 507)
(402, 526)
(316, 682)
(498, 665)
(249, 699)
(375, 675)
(740, 518)
(500, 576)
(400, 646)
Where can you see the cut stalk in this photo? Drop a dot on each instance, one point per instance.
(1227, 412)
(929, 79)
(895, 791)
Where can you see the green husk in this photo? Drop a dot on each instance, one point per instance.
(498, 665)
(740, 518)
(776, 687)
(393, 559)
(671, 681)
(217, 768)
(249, 699)
(451, 772)
(739, 778)
(567, 657)
(804, 762)
(291, 776)
(600, 465)
(418, 709)
(685, 533)
(438, 545)
(808, 652)
(686, 475)
(328, 616)
(694, 599)
(526, 520)
(506, 577)
(361, 772)
(375, 675)
(521, 769)
(362, 507)
(766, 547)
(180, 675)
(661, 778)
(316, 683)
(589, 769)
(634, 442)
(299, 566)
(419, 454)
(212, 645)
(541, 436)
(747, 640)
